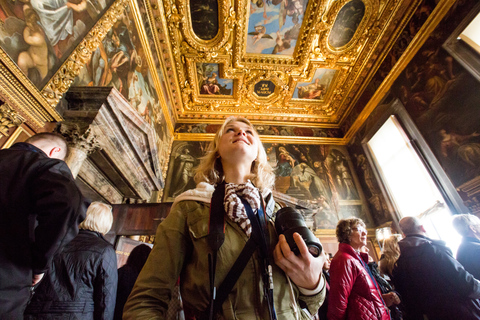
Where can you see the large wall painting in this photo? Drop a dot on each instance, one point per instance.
(120, 61)
(210, 83)
(274, 26)
(318, 178)
(39, 35)
(317, 88)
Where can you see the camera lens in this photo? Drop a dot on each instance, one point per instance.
(287, 222)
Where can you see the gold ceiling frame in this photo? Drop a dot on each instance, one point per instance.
(65, 75)
(422, 35)
(267, 139)
(193, 95)
(226, 22)
(148, 55)
(21, 96)
(158, 21)
(262, 104)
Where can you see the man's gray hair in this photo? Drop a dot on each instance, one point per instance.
(462, 223)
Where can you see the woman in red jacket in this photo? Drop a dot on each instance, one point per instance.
(354, 293)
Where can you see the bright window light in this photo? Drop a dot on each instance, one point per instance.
(409, 183)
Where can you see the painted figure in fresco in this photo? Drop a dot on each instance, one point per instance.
(343, 178)
(36, 57)
(459, 146)
(184, 171)
(56, 17)
(286, 163)
(260, 33)
(312, 90)
(210, 85)
(306, 179)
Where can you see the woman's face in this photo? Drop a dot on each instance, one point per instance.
(238, 144)
(358, 238)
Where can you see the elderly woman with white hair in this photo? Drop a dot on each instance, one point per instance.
(81, 282)
(468, 254)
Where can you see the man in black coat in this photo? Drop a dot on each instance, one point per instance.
(430, 281)
(41, 208)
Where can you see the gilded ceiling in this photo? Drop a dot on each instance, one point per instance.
(281, 62)
(302, 63)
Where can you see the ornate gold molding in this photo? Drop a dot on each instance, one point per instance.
(8, 118)
(63, 78)
(266, 139)
(20, 94)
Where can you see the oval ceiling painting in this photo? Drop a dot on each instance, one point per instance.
(346, 23)
(204, 15)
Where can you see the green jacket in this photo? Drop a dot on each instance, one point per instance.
(181, 251)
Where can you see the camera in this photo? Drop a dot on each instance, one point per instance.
(289, 221)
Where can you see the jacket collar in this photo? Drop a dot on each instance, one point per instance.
(346, 248)
(27, 147)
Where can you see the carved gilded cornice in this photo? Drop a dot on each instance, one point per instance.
(139, 23)
(20, 94)
(422, 35)
(63, 78)
(8, 118)
(266, 139)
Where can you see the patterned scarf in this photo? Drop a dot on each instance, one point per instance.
(234, 207)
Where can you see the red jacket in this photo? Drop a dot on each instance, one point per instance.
(353, 293)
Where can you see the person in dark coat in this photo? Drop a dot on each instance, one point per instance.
(41, 207)
(127, 275)
(82, 280)
(430, 281)
(468, 253)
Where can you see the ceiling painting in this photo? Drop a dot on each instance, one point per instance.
(317, 88)
(346, 23)
(274, 26)
(209, 81)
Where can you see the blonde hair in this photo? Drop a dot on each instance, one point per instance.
(99, 218)
(391, 253)
(210, 168)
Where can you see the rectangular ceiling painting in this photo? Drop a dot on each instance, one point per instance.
(274, 25)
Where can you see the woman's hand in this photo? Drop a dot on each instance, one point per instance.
(304, 270)
(391, 298)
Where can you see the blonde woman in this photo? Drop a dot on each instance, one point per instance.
(82, 280)
(391, 253)
(234, 181)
